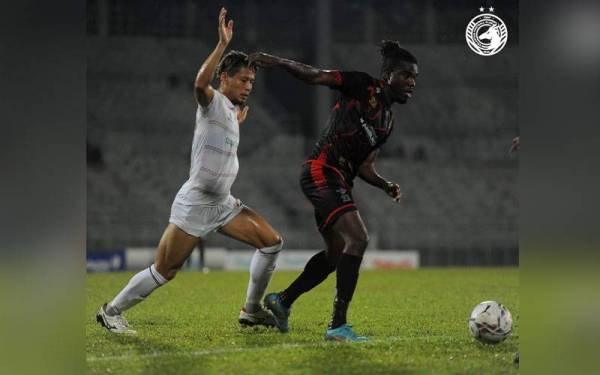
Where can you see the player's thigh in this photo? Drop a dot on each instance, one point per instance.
(252, 229)
(174, 248)
(352, 229)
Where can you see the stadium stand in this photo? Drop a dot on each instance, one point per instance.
(449, 150)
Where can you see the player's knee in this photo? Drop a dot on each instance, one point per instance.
(357, 245)
(274, 245)
(360, 241)
(276, 240)
(166, 271)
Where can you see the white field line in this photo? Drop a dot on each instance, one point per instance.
(285, 346)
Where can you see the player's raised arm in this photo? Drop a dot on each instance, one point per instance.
(367, 173)
(303, 72)
(202, 88)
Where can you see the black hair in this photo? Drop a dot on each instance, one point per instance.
(393, 54)
(232, 62)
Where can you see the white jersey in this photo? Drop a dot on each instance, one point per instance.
(214, 162)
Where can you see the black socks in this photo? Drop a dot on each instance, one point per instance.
(315, 272)
(347, 277)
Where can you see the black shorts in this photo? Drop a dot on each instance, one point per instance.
(326, 189)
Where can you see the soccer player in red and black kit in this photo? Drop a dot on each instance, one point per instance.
(360, 123)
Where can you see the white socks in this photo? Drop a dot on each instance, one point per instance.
(138, 288)
(145, 281)
(261, 270)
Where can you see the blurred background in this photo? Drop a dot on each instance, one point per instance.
(449, 149)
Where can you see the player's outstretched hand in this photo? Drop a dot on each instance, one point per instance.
(263, 60)
(242, 113)
(516, 144)
(225, 31)
(393, 190)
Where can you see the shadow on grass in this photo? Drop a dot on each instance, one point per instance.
(147, 356)
(347, 358)
(317, 356)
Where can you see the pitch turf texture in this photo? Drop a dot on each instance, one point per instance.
(417, 322)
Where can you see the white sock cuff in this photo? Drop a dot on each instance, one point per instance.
(158, 278)
(272, 249)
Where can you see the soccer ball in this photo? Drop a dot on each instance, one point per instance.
(490, 322)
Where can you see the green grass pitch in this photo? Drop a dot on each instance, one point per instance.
(417, 322)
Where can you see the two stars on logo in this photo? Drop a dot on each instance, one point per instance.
(481, 9)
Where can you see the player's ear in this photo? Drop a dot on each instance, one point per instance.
(223, 77)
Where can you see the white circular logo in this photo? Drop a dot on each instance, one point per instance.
(486, 34)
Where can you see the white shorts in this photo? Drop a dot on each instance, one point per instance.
(200, 220)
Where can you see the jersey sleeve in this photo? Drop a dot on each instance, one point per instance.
(206, 110)
(353, 84)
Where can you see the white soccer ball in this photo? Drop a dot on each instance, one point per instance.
(490, 322)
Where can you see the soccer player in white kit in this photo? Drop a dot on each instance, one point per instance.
(204, 203)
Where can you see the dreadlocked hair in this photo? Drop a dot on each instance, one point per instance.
(393, 54)
(232, 62)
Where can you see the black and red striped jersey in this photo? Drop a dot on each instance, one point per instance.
(360, 122)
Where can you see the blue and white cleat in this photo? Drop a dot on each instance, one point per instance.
(281, 313)
(344, 333)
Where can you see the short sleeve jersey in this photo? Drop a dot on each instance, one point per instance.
(214, 162)
(360, 122)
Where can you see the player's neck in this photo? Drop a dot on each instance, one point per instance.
(225, 94)
(388, 97)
